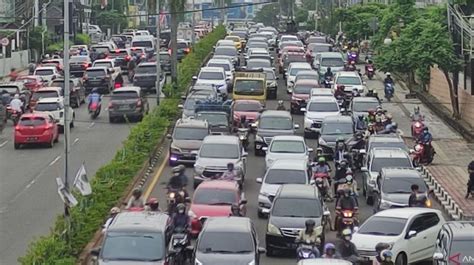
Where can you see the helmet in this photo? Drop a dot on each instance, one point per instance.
(137, 192)
(359, 135)
(178, 169)
(329, 69)
(349, 178)
(180, 207)
(381, 246)
(387, 74)
(152, 201)
(17, 96)
(389, 116)
(310, 222)
(346, 232)
(425, 128)
(280, 102)
(386, 254)
(329, 246)
(321, 159)
(115, 210)
(360, 117)
(230, 166)
(343, 163)
(371, 111)
(394, 125)
(234, 207)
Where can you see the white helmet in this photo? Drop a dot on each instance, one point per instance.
(387, 74)
(418, 147)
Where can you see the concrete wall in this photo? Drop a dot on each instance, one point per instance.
(18, 60)
(439, 88)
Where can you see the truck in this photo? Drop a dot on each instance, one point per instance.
(185, 33)
(250, 84)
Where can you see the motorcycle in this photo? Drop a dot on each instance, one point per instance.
(346, 219)
(94, 109)
(174, 198)
(327, 82)
(178, 246)
(358, 157)
(421, 156)
(417, 128)
(389, 90)
(13, 115)
(243, 134)
(306, 250)
(370, 71)
(352, 57)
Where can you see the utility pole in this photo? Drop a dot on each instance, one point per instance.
(340, 22)
(158, 44)
(193, 36)
(43, 18)
(36, 13)
(316, 15)
(66, 111)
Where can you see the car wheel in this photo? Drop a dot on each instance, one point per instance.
(17, 146)
(369, 200)
(51, 143)
(270, 252)
(401, 259)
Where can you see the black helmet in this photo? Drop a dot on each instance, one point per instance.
(180, 207)
(235, 207)
(178, 169)
(310, 223)
(361, 117)
(329, 69)
(381, 246)
(359, 135)
(137, 192)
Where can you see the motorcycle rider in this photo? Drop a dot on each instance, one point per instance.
(153, 205)
(323, 167)
(330, 252)
(390, 128)
(359, 141)
(386, 257)
(378, 249)
(350, 184)
(13, 74)
(370, 130)
(369, 63)
(16, 104)
(136, 201)
(470, 182)
(230, 173)
(371, 93)
(371, 116)
(280, 106)
(6, 98)
(339, 92)
(178, 181)
(355, 93)
(328, 73)
(311, 236)
(341, 172)
(416, 115)
(346, 248)
(414, 200)
(388, 79)
(388, 119)
(113, 212)
(425, 139)
(361, 123)
(244, 123)
(94, 97)
(341, 151)
(31, 67)
(346, 202)
(181, 218)
(235, 210)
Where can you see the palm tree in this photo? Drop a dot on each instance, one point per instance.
(176, 10)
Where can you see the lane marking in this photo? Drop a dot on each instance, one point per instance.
(75, 141)
(55, 160)
(91, 125)
(3, 144)
(156, 177)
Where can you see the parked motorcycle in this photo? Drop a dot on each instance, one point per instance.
(94, 109)
(243, 134)
(389, 90)
(421, 155)
(178, 246)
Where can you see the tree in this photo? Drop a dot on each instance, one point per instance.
(356, 19)
(267, 15)
(111, 19)
(176, 10)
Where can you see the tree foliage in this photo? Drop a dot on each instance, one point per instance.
(36, 40)
(357, 18)
(111, 19)
(268, 15)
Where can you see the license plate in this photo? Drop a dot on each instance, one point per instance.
(258, 146)
(366, 258)
(124, 107)
(32, 139)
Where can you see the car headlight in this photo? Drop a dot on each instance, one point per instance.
(271, 229)
(321, 141)
(241, 137)
(191, 214)
(258, 138)
(385, 204)
(198, 169)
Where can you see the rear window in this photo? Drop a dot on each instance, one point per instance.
(103, 64)
(95, 72)
(47, 106)
(145, 44)
(222, 65)
(119, 53)
(146, 69)
(286, 176)
(182, 45)
(100, 49)
(381, 162)
(44, 72)
(35, 121)
(76, 59)
(44, 94)
(10, 89)
(120, 95)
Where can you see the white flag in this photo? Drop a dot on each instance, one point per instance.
(65, 195)
(81, 182)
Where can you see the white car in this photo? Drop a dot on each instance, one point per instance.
(350, 80)
(55, 107)
(318, 92)
(286, 147)
(316, 110)
(225, 64)
(293, 70)
(48, 73)
(109, 64)
(229, 43)
(215, 76)
(411, 232)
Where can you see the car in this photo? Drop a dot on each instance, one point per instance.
(314, 48)
(144, 41)
(215, 153)
(324, 262)
(386, 140)
(186, 138)
(227, 43)
(300, 94)
(214, 198)
(293, 205)
(307, 75)
(280, 172)
(36, 128)
(286, 147)
(323, 60)
(288, 38)
(454, 240)
(251, 109)
(18, 87)
(236, 40)
(411, 233)
(183, 48)
(218, 120)
(269, 124)
(122, 58)
(77, 92)
(260, 56)
(119, 40)
(393, 187)
(100, 49)
(321, 92)
(32, 82)
(332, 129)
(225, 64)
(377, 159)
(272, 83)
(55, 62)
(142, 236)
(55, 107)
(350, 81)
(258, 63)
(213, 75)
(253, 43)
(316, 39)
(145, 77)
(228, 240)
(48, 73)
(316, 110)
(288, 58)
(189, 105)
(293, 70)
(98, 77)
(46, 92)
(78, 64)
(129, 102)
(230, 52)
(362, 105)
(112, 66)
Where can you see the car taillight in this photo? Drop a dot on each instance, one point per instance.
(169, 51)
(117, 85)
(139, 103)
(417, 125)
(187, 50)
(17, 128)
(128, 58)
(85, 65)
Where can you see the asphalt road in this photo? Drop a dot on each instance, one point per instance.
(29, 202)
(256, 168)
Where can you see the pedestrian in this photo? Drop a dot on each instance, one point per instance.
(470, 182)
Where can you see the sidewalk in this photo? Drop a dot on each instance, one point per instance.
(447, 175)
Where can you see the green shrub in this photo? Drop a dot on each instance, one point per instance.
(55, 47)
(82, 39)
(112, 179)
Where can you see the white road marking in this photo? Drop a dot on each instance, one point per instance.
(75, 141)
(91, 125)
(3, 144)
(55, 160)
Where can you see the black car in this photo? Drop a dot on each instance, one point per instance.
(98, 77)
(79, 64)
(145, 76)
(292, 206)
(165, 61)
(122, 58)
(218, 121)
(334, 128)
(454, 239)
(120, 41)
(227, 240)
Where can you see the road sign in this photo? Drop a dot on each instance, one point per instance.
(5, 41)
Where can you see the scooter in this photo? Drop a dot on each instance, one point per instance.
(13, 115)
(417, 128)
(174, 198)
(346, 219)
(307, 250)
(370, 71)
(94, 109)
(243, 134)
(327, 82)
(389, 90)
(178, 247)
(421, 156)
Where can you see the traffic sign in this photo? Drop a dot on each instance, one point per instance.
(5, 41)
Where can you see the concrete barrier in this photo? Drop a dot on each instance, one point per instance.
(18, 60)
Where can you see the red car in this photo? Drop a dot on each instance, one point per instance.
(36, 128)
(250, 108)
(32, 82)
(301, 94)
(213, 198)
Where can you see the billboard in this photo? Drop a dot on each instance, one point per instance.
(7, 11)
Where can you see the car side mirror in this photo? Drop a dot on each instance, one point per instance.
(261, 250)
(259, 180)
(327, 213)
(95, 252)
(343, 110)
(303, 109)
(180, 106)
(310, 150)
(265, 148)
(438, 256)
(245, 154)
(362, 151)
(277, 77)
(168, 136)
(364, 83)
(411, 233)
(195, 78)
(364, 169)
(296, 126)
(194, 152)
(243, 201)
(412, 151)
(253, 125)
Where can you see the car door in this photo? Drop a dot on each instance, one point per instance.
(421, 246)
(431, 226)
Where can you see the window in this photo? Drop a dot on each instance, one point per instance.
(381, 162)
(323, 107)
(121, 95)
(225, 242)
(225, 51)
(281, 146)
(213, 118)
(44, 72)
(186, 133)
(337, 128)
(79, 59)
(221, 65)
(146, 44)
(294, 71)
(275, 123)
(348, 80)
(286, 176)
(210, 196)
(289, 207)
(48, 106)
(383, 226)
(303, 89)
(44, 94)
(208, 75)
(332, 62)
(402, 185)
(35, 121)
(424, 221)
(103, 64)
(146, 69)
(147, 247)
(364, 106)
(254, 64)
(249, 87)
(247, 107)
(95, 73)
(222, 151)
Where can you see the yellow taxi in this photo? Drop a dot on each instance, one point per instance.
(237, 41)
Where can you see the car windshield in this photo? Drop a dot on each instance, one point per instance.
(364, 106)
(146, 69)
(247, 107)
(44, 72)
(286, 176)
(270, 75)
(144, 44)
(337, 128)
(44, 94)
(187, 133)
(225, 51)
(226, 151)
(121, 95)
(134, 246)
(288, 207)
(47, 106)
(79, 59)
(214, 118)
(208, 75)
(95, 73)
(275, 123)
(226, 242)
(295, 70)
(103, 64)
(348, 80)
(221, 65)
(381, 162)
(249, 87)
(182, 45)
(253, 64)
(383, 226)
(332, 62)
(281, 146)
(303, 89)
(258, 45)
(214, 196)
(402, 185)
(397, 144)
(34, 121)
(307, 76)
(323, 107)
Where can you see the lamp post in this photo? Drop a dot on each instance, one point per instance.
(158, 44)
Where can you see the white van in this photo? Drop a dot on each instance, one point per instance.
(144, 41)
